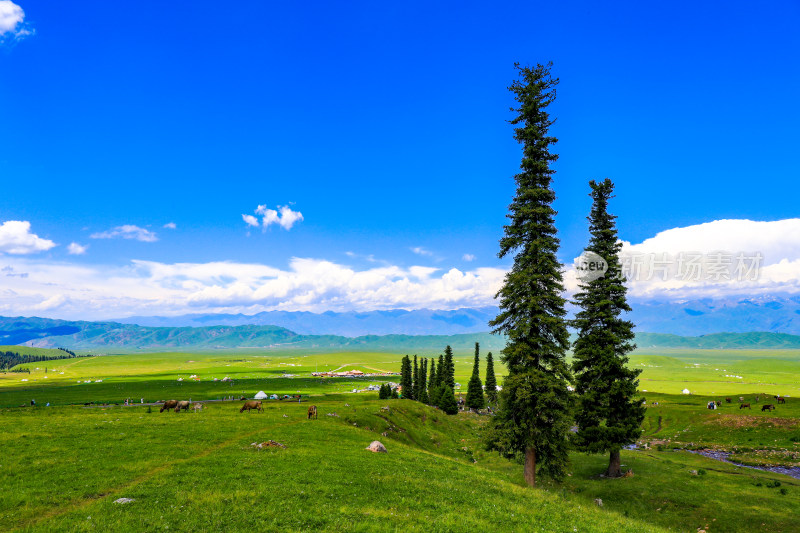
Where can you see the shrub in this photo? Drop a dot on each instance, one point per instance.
(701, 472)
(784, 491)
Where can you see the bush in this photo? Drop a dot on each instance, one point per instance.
(701, 472)
(784, 491)
(773, 484)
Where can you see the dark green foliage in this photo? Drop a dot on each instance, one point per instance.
(449, 374)
(406, 379)
(609, 413)
(534, 415)
(9, 359)
(415, 386)
(441, 371)
(432, 381)
(475, 399)
(395, 396)
(385, 392)
(422, 390)
(435, 395)
(491, 380)
(447, 400)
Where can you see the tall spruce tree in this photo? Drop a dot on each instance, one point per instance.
(475, 399)
(609, 414)
(432, 379)
(449, 378)
(422, 391)
(534, 415)
(441, 370)
(415, 385)
(406, 379)
(491, 380)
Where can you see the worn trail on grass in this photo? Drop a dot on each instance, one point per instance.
(79, 504)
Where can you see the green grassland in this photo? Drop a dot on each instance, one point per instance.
(63, 466)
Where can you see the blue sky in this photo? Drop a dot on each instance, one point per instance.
(384, 125)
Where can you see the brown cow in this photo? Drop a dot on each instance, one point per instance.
(727, 400)
(745, 406)
(169, 404)
(312, 412)
(767, 407)
(781, 399)
(183, 404)
(252, 404)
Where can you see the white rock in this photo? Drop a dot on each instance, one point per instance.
(376, 446)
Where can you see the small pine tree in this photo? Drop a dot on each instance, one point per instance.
(441, 371)
(406, 382)
(432, 379)
(395, 396)
(382, 392)
(491, 381)
(422, 394)
(447, 403)
(450, 369)
(415, 384)
(475, 399)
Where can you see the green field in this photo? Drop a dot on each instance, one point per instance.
(63, 466)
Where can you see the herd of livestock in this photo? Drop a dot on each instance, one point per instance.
(248, 405)
(746, 405)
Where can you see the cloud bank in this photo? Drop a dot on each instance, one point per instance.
(12, 21)
(127, 231)
(16, 238)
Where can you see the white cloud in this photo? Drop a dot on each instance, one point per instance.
(283, 216)
(16, 238)
(722, 242)
(77, 249)
(147, 287)
(170, 225)
(468, 257)
(12, 19)
(419, 250)
(250, 220)
(127, 231)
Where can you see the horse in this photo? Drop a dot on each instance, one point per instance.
(727, 400)
(767, 407)
(745, 405)
(718, 403)
(252, 404)
(169, 404)
(312, 412)
(781, 399)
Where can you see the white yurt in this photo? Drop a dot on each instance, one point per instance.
(261, 395)
(685, 391)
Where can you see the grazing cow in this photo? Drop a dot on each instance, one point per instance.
(252, 404)
(781, 399)
(741, 398)
(169, 404)
(312, 412)
(718, 403)
(727, 400)
(767, 407)
(745, 406)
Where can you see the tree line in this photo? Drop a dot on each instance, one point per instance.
(434, 384)
(9, 359)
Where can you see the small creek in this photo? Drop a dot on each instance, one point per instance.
(792, 471)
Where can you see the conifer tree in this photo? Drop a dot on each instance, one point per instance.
(415, 382)
(441, 370)
(422, 392)
(449, 378)
(609, 415)
(475, 399)
(491, 381)
(447, 403)
(395, 396)
(382, 392)
(406, 382)
(534, 415)
(432, 381)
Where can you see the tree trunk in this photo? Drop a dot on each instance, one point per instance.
(530, 466)
(614, 469)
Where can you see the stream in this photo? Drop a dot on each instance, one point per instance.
(792, 471)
